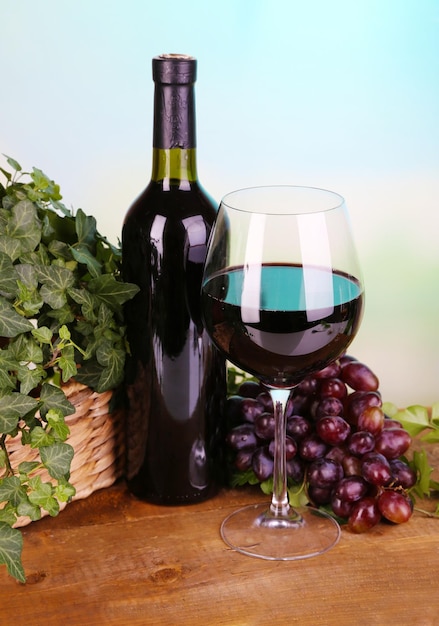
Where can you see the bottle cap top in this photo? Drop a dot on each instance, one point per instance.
(177, 69)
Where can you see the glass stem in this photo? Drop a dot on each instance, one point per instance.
(279, 503)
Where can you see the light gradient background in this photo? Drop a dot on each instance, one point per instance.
(342, 94)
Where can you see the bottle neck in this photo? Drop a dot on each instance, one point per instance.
(174, 144)
(174, 164)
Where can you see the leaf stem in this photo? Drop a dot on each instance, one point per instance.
(431, 514)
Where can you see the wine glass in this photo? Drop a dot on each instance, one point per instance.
(282, 297)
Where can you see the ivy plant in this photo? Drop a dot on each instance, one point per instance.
(61, 317)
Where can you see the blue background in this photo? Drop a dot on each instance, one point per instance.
(337, 94)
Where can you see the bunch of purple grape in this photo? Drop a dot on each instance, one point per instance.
(340, 445)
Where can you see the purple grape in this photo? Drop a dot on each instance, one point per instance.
(333, 388)
(264, 426)
(371, 419)
(319, 495)
(357, 402)
(339, 443)
(402, 475)
(365, 515)
(341, 508)
(330, 371)
(250, 409)
(333, 429)
(322, 407)
(262, 463)
(243, 460)
(265, 399)
(351, 488)
(298, 405)
(296, 470)
(351, 465)
(290, 448)
(393, 442)
(391, 423)
(375, 469)
(395, 506)
(359, 377)
(298, 427)
(336, 453)
(249, 389)
(242, 437)
(360, 443)
(324, 473)
(345, 359)
(312, 447)
(307, 387)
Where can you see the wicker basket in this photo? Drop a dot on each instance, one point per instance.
(96, 436)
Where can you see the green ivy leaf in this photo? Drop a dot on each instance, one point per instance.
(60, 250)
(43, 334)
(11, 546)
(435, 414)
(56, 280)
(6, 174)
(26, 508)
(27, 467)
(85, 226)
(43, 183)
(64, 490)
(8, 423)
(89, 374)
(20, 403)
(423, 469)
(30, 378)
(67, 363)
(56, 421)
(431, 437)
(52, 397)
(113, 360)
(83, 255)
(11, 490)
(112, 292)
(414, 419)
(8, 276)
(88, 302)
(13, 406)
(8, 514)
(13, 163)
(39, 437)
(29, 300)
(61, 303)
(10, 246)
(31, 352)
(27, 274)
(57, 459)
(7, 364)
(63, 315)
(8, 360)
(11, 322)
(24, 225)
(64, 333)
(42, 495)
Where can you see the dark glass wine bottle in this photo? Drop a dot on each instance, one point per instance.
(175, 378)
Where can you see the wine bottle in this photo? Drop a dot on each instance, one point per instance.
(175, 377)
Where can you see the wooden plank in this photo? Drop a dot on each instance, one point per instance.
(112, 560)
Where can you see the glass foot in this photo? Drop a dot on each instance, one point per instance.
(254, 531)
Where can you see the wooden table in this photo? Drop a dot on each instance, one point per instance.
(113, 560)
